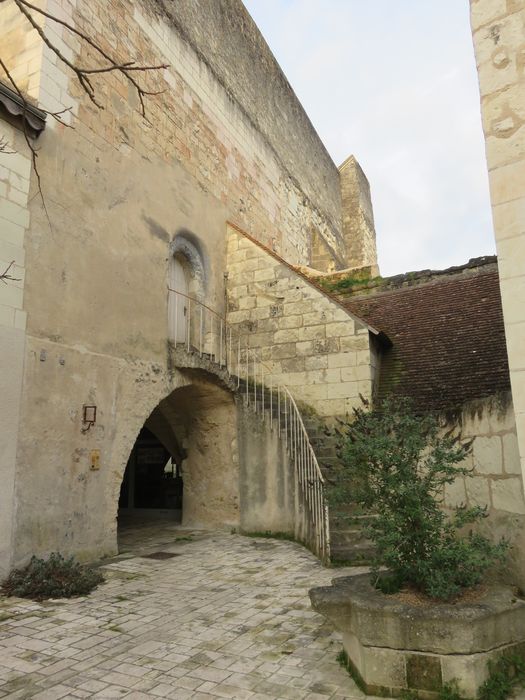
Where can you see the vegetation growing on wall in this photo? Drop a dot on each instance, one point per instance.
(396, 465)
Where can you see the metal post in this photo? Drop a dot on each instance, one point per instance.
(271, 402)
(262, 387)
(239, 362)
(176, 315)
(189, 323)
(255, 378)
(285, 421)
(200, 333)
(279, 408)
(247, 377)
(220, 345)
(229, 350)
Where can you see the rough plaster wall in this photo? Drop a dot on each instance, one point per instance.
(499, 40)
(496, 473)
(358, 217)
(224, 36)
(61, 503)
(306, 340)
(211, 470)
(267, 480)
(118, 188)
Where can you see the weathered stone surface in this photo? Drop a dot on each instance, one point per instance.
(308, 333)
(353, 605)
(394, 646)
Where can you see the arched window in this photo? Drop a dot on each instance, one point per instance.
(186, 283)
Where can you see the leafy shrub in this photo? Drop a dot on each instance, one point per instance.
(505, 676)
(397, 465)
(55, 577)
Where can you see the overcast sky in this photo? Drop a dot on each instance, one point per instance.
(394, 82)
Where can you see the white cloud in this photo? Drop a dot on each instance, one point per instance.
(394, 82)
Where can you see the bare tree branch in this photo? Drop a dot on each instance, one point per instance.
(83, 73)
(33, 150)
(5, 275)
(4, 147)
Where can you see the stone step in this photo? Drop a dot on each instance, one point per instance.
(360, 554)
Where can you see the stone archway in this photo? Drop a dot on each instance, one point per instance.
(196, 424)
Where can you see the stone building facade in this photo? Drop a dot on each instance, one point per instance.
(499, 41)
(152, 234)
(135, 205)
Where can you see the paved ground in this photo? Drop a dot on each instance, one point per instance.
(228, 617)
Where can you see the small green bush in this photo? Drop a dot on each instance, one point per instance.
(396, 465)
(55, 577)
(505, 675)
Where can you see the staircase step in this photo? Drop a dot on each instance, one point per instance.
(359, 554)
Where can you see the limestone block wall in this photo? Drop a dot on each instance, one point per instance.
(496, 472)
(15, 165)
(499, 40)
(21, 48)
(358, 217)
(307, 341)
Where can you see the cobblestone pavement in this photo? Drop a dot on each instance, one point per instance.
(226, 617)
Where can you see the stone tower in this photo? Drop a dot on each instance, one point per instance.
(358, 217)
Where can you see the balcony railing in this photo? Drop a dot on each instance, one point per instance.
(199, 329)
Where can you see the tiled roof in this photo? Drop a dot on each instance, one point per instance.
(447, 333)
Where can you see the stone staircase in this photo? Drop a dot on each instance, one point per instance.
(348, 542)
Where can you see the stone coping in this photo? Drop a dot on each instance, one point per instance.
(354, 606)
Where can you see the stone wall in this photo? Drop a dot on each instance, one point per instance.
(118, 188)
(358, 218)
(15, 165)
(242, 62)
(499, 40)
(496, 476)
(496, 480)
(307, 341)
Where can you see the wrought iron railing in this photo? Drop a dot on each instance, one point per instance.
(199, 329)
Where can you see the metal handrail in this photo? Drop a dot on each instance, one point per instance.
(202, 330)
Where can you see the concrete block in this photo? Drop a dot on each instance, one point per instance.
(485, 11)
(15, 213)
(511, 454)
(478, 491)
(509, 219)
(331, 407)
(320, 362)
(286, 350)
(264, 275)
(339, 330)
(300, 307)
(488, 456)
(247, 302)
(354, 343)
(311, 333)
(290, 322)
(507, 495)
(384, 667)
(455, 493)
(342, 359)
(343, 390)
(7, 316)
(20, 319)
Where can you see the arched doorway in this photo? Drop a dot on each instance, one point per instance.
(178, 301)
(184, 464)
(152, 482)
